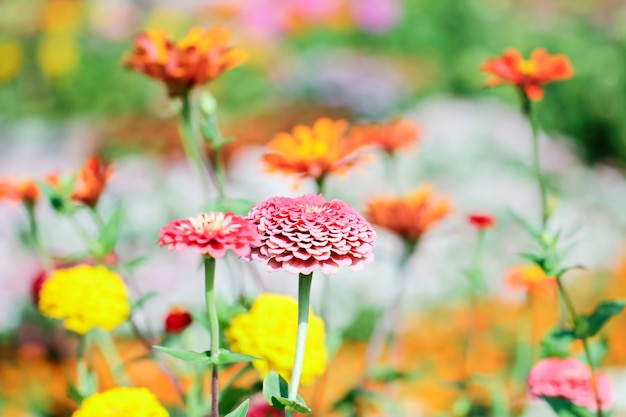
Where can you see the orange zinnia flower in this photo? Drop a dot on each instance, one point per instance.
(390, 137)
(530, 278)
(198, 58)
(25, 190)
(410, 216)
(313, 152)
(91, 181)
(529, 75)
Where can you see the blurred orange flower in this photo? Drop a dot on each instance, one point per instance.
(409, 216)
(530, 278)
(24, 190)
(91, 181)
(198, 58)
(390, 137)
(313, 152)
(529, 75)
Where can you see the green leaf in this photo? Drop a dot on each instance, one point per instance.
(110, 232)
(73, 393)
(240, 411)
(134, 263)
(229, 397)
(556, 343)
(581, 327)
(185, 355)
(275, 386)
(565, 408)
(58, 201)
(536, 259)
(529, 228)
(603, 313)
(294, 405)
(226, 357)
(139, 303)
(390, 374)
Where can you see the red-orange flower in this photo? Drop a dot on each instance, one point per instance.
(530, 278)
(409, 216)
(91, 181)
(481, 221)
(177, 320)
(198, 58)
(313, 152)
(24, 190)
(529, 75)
(390, 137)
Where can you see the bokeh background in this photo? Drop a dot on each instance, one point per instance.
(64, 95)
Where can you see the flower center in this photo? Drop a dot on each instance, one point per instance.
(308, 208)
(212, 222)
(527, 67)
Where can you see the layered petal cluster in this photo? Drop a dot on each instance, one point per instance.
(122, 402)
(305, 233)
(85, 297)
(22, 190)
(571, 380)
(314, 152)
(530, 278)
(195, 60)
(91, 181)
(481, 221)
(210, 234)
(529, 75)
(409, 216)
(390, 137)
(269, 331)
(177, 320)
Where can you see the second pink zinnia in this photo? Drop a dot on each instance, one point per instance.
(302, 234)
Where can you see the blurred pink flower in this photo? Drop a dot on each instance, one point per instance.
(210, 234)
(304, 233)
(569, 379)
(376, 16)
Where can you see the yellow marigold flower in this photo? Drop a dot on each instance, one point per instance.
(84, 297)
(313, 152)
(11, 62)
(268, 331)
(57, 55)
(122, 402)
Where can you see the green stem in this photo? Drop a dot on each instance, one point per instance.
(45, 258)
(81, 365)
(304, 296)
(97, 218)
(528, 111)
(111, 356)
(574, 316)
(214, 327)
(320, 182)
(476, 285)
(192, 145)
(217, 160)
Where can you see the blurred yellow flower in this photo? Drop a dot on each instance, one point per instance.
(61, 16)
(122, 402)
(85, 297)
(57, 55)
(11, 62)
(268, 331)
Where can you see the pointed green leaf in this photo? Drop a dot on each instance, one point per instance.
(185, 355)
(240, 411)
(565, 408)
(226, 357)
(134, 263)
(557, 343)
(73, 393)
(603, 313)
(275, 386)
(533, 231)
(141, 301)
(294, 405)
(390, 374)
(534, 258)
(110, 232)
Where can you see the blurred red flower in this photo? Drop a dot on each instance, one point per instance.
(195, 60)
(304, 233)
(529, 75)
(210, 234)
(177, 320)
(92, 180)
(481, 221)
(22, 191)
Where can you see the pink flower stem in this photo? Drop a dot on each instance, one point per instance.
(214, 328)
(304, 296)
(574, 316)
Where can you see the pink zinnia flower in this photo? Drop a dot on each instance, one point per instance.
(210, 234)
(302, 234)
(571, 380)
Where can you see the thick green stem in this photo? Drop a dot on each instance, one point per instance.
(320, 182)
(528, 111)
(192, 145)
(304, 296)
(574, 316)
(214, 327)
(81, 365)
